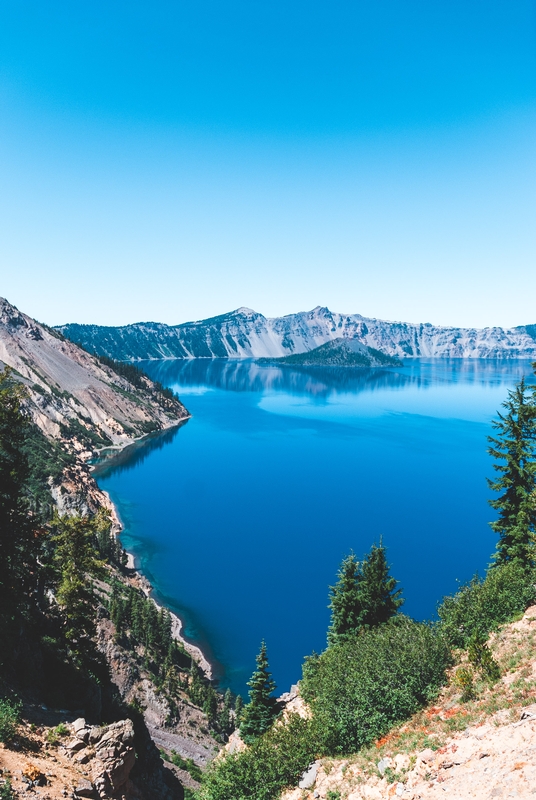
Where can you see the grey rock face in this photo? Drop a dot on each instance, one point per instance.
(110, 757)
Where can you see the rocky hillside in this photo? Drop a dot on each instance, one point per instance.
(55, 757)
(246, 334)
(77, 402)
(480, 749)
(338, 353)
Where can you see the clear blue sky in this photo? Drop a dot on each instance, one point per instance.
(173, 160)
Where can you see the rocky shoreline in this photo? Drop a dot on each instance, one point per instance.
(177, 624)
(148, 589)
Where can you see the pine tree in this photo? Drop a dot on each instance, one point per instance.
(364, 596)
(514, 445)
(344, 601)
(77, 560)
(378, 596)
(17, 534)
(210, 703)
(238, 708)
(224, 717)
(196, 688)
(259, 714)
(164, 638)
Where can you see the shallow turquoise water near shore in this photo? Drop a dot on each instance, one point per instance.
(241, 517)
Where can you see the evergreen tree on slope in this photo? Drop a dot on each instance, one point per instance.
(77, 561)
(364, 596)
(378, 595)
(259, 714)
(514, 445)
(17, 534)
(344, 601)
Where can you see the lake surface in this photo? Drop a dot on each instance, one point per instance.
(241, 516)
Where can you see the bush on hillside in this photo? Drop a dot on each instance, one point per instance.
(6, 790)
(273, 762)
(9, 719)
(481, 606)
(360, 688)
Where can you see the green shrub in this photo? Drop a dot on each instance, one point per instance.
(6, 790)
(482, 605)
(9, 719)
(54, 734)
(274, 761)
(360, 688)
(464, 680)
(187, 764)
(480, 657)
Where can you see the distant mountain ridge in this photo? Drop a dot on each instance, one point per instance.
(247, 334)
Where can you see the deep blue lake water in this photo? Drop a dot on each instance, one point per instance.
(241, 516)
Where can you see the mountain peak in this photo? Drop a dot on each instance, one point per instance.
(245, 333)
(246, 312)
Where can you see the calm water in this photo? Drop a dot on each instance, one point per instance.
(242, 516)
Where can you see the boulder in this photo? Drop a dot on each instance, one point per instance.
(308, 779)
(427, 755)
(383, 765)
(114, 758)
(73, 745)
(84, 789)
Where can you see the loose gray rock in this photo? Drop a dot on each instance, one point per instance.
(383, 764)
(74, 744)
(95, 733)
(427, 755)
(308, 779)
(84, 789)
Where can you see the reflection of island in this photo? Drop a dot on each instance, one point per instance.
(134, 454)
(240, 375)
(249, 376)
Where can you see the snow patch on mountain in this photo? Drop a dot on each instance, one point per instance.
(245, 333)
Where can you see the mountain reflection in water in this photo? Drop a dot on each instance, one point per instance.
(248, 376)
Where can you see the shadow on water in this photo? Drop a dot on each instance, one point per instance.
(135, 454)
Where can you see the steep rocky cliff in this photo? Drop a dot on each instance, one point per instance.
(247, 334)
(79, 403)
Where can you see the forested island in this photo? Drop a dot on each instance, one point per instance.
(337, 353)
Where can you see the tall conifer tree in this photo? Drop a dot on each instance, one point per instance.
(378, 596)
(344, 601)
(77, 561)
(514, 446)
(364, 596)
(261, 710)
(17, 535)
